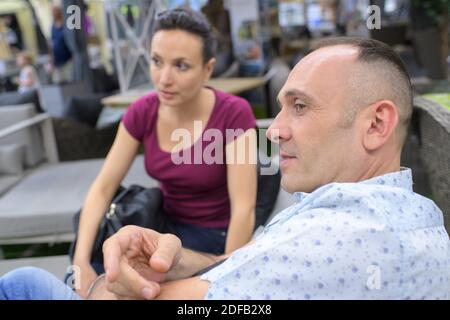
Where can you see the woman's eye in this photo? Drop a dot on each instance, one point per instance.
(182, 66)
(156, 62)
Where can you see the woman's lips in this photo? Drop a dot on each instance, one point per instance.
(167, 94)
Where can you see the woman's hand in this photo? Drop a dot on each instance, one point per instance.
(87, 277)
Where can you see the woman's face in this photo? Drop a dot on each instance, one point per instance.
(20, 61)
(177, 68)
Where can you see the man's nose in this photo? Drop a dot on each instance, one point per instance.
(278, 130)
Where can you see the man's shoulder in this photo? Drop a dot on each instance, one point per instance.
(324, 216)
(345, 196)
(370, 204)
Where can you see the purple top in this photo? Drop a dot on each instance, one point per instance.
(195, 192)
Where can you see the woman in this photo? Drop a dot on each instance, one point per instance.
(210, 206)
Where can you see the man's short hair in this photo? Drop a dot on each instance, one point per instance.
(383, 66)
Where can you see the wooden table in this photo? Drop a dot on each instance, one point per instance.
(229, 85)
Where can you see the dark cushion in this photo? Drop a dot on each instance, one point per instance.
(268, 189)
(16, 98)
(103, 82)
(85, 109)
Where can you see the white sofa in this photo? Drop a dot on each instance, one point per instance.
(38, 202)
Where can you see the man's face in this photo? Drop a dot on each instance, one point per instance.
(57, 13)
(315, 147)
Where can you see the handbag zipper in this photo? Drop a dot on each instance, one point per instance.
(112, 211)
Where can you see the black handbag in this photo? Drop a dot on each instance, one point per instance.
(134, 205)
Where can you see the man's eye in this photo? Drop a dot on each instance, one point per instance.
(299, 107)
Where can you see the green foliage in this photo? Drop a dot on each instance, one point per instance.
(37, 250)
(432, 8)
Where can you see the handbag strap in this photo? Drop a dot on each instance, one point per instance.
(124, 192)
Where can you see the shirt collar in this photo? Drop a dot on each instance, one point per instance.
(399, 179)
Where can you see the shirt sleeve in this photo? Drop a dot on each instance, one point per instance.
(136, 118)
(239, 119)
(310, 259)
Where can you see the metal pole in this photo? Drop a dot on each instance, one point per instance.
(116, 45)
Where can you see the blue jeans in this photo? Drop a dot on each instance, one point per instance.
(209, 240)
(30, 283)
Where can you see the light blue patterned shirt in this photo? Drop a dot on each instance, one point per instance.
(374, 239)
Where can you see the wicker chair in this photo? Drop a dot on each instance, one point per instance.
(77, 141)
(434, 140)
(77, 136)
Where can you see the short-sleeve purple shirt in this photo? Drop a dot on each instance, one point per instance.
(195, 192)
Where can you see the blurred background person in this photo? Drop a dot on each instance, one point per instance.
(28, 79)
(219, 17)
(60, 65)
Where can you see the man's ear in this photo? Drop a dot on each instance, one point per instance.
(380, 123)
(209, 66)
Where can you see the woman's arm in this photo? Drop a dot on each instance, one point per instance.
(241, 156)
(117, 163)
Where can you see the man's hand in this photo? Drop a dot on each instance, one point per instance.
(136, 260)
(49, 68)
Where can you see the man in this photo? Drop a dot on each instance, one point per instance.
(356, 230)
(60, 65)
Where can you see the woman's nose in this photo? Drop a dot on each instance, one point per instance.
(166, 76)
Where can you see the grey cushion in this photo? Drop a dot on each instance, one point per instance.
(54, 97)
(30, 137)
(284, 200)
(16, 98)
(7, 182)
(12, 158)
(44, 202)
